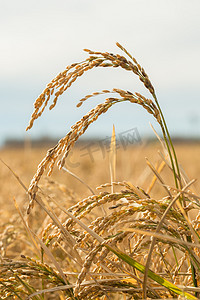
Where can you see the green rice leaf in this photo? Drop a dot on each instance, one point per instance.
(167, 284)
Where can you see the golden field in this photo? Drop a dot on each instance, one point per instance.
(93, 169)
(19, 254)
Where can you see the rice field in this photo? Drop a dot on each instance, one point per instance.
(131, 166)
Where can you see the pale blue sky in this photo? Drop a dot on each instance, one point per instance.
(40, 38)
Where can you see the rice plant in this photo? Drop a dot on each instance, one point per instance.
(120, 242)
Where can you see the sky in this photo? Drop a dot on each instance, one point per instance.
(40, 38)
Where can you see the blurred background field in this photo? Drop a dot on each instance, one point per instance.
(93, 169)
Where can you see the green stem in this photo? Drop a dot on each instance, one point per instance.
(176, 260)
(166, 131)
(194, 278)
(170, 154)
